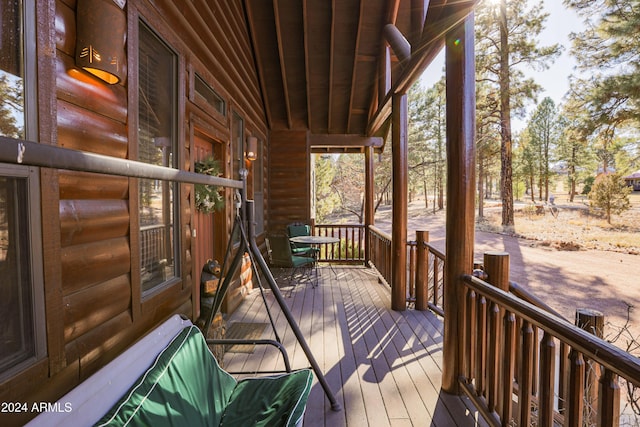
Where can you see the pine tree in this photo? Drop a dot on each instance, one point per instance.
(611, 194)
(505, 41)
(11, 104)
(608, 50)
(544, 133)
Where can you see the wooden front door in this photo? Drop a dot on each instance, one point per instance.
(208, 228)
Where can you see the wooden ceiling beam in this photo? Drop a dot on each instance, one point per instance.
(258, 62)
(436, 27)
(338, 142)
(331, 61)
(307, 67)
(398, 42)
(283, 66)
(355, 65)
(418, 15)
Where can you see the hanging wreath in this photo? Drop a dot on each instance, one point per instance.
(208, 197)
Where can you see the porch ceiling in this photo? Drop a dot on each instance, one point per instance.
(319, 61)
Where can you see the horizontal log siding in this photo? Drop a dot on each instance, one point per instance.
(94, 309)
(289, 190)
(95, 254)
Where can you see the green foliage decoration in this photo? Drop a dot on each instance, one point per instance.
(209, 198)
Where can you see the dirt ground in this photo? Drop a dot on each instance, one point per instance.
(575, 260)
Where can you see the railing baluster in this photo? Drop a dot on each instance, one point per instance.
(563, 377)
(481, 366)
(609, 400)
(526, 374)
(436, 285)
(508, 367)
(575, 401)
(411, 276)
(547, 380)
(472, 335)
(493, 367)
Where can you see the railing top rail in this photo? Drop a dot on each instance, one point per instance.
(380, 232)
(340, 225)
(437, 252)
(50, 156)
(524, 294)
(612, 357)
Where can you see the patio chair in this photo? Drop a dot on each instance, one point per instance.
(280, 255)
(298, 229)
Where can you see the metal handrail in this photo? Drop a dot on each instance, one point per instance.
(29, 153)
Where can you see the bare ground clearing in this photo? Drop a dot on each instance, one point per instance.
(573, 261)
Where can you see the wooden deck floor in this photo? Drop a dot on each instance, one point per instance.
(384, 367)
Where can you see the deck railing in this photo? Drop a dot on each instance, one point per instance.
(380, 252)
(350, 248)
(523, 363)
(426, 269)
(513, 348)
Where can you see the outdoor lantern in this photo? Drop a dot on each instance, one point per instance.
(252, 148)
(100, 38)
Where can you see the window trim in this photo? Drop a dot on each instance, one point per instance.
(148, 294)
(32, 175)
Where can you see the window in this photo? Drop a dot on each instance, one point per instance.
(157, 136)
(210, 96)
(12, 67)
(21, 295)
(258, 188)
(22, 340)
(237, 135)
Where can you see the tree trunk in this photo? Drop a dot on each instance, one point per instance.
(572, 175)
(533, 194)
(506, 175)
(480, 184)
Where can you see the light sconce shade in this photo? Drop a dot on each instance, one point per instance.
(252, 148)
(100, 38)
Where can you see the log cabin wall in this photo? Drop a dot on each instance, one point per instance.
(289, 187)
(93, 298)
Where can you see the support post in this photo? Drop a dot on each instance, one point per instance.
(460, 89)
(399, 217)
(496, 266)
(369, 187)
(422, 271)
(591, 321)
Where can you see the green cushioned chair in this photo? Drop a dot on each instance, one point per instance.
(301, 249)
(280, 254)
(186, 386)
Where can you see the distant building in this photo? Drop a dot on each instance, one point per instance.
(633, 180)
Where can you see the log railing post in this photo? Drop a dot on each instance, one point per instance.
(422, 271)
(591, 321)
(496, 267)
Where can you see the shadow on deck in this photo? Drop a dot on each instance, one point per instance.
(385, 367)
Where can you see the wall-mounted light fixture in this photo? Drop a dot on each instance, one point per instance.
(252, 149)
(101, 28)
